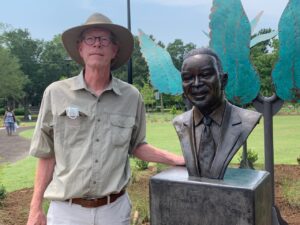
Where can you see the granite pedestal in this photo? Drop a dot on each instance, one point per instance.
(243, 197)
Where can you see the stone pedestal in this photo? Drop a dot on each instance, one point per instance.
(242, 198)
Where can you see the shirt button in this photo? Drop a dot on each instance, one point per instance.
(96, 160)
(98, 100)
(97, 140)
(94, 182)
(98, 120)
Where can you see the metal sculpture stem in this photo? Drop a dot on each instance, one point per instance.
(269, 106)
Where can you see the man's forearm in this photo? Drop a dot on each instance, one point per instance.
(150, 153)
(43, 176)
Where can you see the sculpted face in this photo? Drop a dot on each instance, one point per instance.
(201, 82)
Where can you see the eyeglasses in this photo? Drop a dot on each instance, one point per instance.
(90, 40)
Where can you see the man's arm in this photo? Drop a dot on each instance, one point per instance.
(43, 176)
(150, 153)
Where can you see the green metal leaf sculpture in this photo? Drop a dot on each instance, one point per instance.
(230, 38)
(163, 74)
(286, 73)
(262, 37)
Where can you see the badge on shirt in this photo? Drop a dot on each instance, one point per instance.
(72, 112)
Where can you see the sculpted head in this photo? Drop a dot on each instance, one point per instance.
(203, 79)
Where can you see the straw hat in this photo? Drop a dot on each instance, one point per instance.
(124, 38)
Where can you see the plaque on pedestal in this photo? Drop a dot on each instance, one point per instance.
(241, 198)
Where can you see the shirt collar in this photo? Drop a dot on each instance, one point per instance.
(216, 115)
(79, 83)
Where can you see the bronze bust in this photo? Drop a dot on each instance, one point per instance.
(213, 130)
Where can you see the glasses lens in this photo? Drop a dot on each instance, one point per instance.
(105, 41)
(89, 40)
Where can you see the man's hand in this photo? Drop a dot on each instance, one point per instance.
(36, 217)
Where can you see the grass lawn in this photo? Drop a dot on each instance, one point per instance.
(18, 175)
(286, 131)
(160, 132)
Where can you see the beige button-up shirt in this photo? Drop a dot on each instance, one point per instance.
(90, 137)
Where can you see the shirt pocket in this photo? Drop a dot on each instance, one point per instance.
(121, 129)
(72, 122)
(71, 133)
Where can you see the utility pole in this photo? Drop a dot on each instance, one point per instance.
(129, 67)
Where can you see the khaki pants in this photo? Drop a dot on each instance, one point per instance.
(65, 213)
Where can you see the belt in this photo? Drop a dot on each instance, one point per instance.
(96, 202)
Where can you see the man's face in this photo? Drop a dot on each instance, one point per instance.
(201, 82)
(101, 52)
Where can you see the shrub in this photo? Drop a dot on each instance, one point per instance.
(2, 194)
(2, 111)
(252, 157)
(298, 159)
(173, 110)
(141, 164)
(19, 111)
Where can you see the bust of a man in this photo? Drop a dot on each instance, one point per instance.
(213, 130)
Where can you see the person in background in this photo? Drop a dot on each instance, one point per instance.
(9, 121)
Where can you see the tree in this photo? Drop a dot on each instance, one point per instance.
(147, 92)
(264, 56)
(54, 64)
(177, 50)
(12, 79)
(22, 46)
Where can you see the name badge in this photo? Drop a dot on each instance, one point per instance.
(72, 112)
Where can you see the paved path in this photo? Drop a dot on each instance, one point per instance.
(13, 148)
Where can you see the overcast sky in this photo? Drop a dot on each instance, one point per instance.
(166, 20)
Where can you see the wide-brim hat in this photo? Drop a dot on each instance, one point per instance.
(124, 38)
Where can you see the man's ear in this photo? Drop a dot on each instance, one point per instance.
(224, 80)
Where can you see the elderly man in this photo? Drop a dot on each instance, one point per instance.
(213, 131)
(87, 127)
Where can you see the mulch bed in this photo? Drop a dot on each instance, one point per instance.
(15, 207)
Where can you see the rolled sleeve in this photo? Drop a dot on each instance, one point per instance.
(42, 145)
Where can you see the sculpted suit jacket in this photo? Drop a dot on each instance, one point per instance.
(236, 126)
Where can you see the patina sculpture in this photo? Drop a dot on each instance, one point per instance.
(213, 130)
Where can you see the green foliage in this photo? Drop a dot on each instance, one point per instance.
(141, 164)
(252, 157)
(27, 51)
(177, 50)
(12, 79)
(173, 110)
(2, 194)
(264, 60)
(298, 160)
(19, 111)
(148, 94)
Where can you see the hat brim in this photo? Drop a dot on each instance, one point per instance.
(124, 38)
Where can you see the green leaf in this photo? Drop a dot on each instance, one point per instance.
(230, 38)
(286, 73)
(163, 74)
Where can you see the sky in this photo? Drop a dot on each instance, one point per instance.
(166, 20)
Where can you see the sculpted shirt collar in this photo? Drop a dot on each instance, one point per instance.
(216, 116)
(79, 83)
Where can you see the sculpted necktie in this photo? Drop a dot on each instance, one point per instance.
(206, 151)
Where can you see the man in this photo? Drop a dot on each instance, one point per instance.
(87, 127)
(213, 130)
